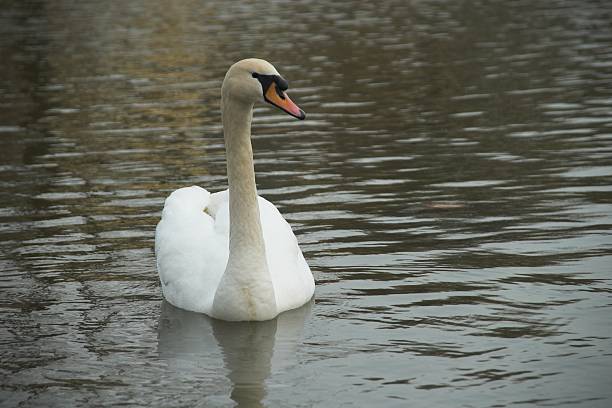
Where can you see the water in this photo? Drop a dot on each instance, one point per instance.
(450, 189)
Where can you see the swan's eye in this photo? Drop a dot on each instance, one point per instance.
(255, 75)
(281, 82)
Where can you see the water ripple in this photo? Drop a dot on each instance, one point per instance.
(449, 189)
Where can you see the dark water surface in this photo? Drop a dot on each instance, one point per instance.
(450, 188)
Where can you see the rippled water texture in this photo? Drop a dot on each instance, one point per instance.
(451, 190)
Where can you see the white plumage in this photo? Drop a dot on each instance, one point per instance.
(192, 248)
(260, 271)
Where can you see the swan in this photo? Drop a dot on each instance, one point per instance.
(231, 255)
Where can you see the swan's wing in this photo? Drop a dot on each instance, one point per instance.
(191, 247)
(291, 276)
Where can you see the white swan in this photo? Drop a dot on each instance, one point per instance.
(231, 254)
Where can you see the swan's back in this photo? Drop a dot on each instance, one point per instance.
(192, 249)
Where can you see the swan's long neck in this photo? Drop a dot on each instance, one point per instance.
(245, 226)
(245, 291)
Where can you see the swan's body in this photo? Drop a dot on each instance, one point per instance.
(231, 255)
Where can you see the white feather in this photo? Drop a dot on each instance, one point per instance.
(260, 271)
(192, 249)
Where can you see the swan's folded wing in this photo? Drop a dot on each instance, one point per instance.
(191, 253)
(291, 276)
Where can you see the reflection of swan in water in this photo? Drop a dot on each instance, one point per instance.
(249, 351)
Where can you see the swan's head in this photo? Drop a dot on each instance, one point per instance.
(252, 80)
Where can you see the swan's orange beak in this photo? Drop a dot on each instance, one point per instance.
(277, 97)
